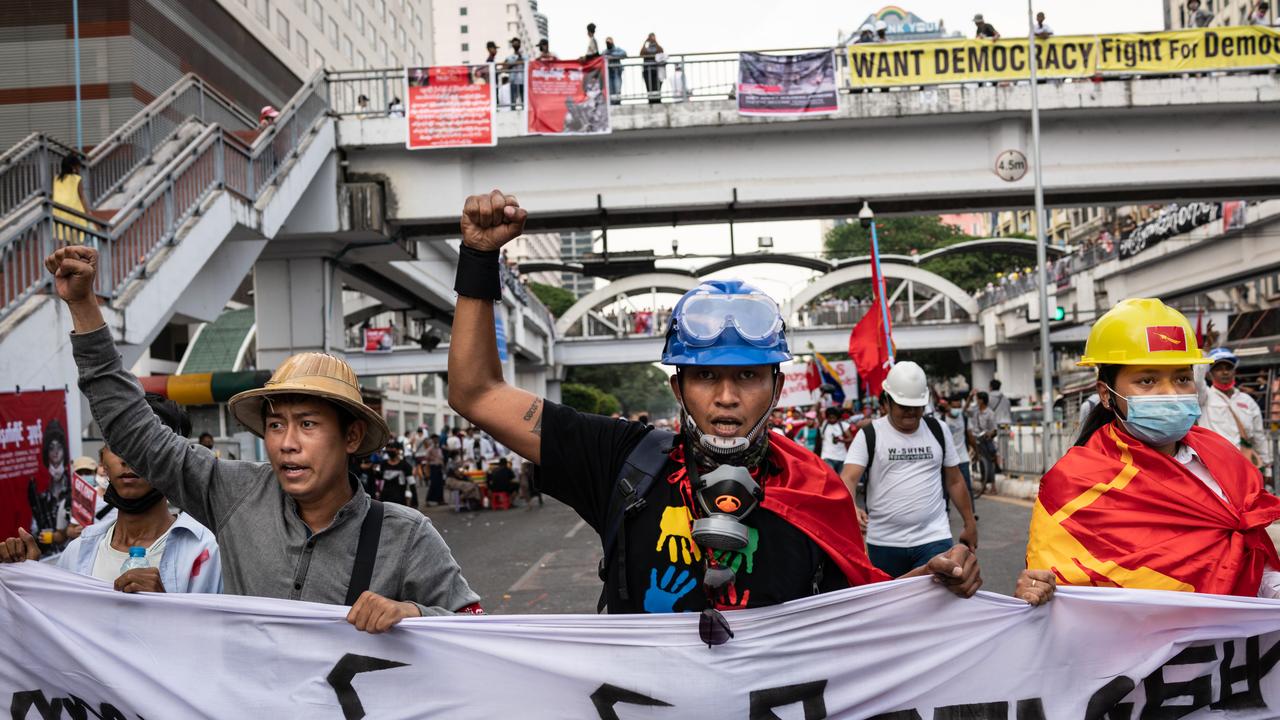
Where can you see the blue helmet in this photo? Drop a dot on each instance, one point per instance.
(726, 322)
(1222, 354)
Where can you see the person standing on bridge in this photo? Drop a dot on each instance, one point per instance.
(1041, 29)
(653, 55)
(1198, 16)
(984, 29)
(723, 514)
(1146, 499)
(298, 527)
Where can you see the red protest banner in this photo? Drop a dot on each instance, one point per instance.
(567, 97)
(450, 106)
(33, 460)
(378, 340)
(84, 499)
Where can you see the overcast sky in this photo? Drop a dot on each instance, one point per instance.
(719, 25)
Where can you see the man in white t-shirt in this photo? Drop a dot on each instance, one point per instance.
(835, 439)
(906, 520)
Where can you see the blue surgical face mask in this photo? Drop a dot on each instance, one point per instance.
(955, 412)
(1159, 419)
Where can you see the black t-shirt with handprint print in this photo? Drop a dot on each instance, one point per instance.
(581, 457)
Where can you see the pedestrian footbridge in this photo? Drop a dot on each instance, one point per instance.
(917, 150)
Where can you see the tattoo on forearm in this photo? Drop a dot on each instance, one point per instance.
(534, 411)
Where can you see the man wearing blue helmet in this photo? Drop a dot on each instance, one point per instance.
(730, 515)
(1231, 412)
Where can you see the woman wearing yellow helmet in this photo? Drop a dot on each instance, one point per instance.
(1146, 499)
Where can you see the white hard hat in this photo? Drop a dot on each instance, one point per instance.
(906, 384)
(881, 25)
(866, 28)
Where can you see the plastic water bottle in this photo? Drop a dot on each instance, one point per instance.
(137, 559)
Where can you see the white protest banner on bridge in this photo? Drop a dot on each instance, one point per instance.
(907, 649)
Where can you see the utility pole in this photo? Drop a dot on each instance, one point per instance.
(1046, 353)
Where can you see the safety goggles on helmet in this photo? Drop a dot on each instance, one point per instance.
(705, 316)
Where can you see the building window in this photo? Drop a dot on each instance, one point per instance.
(364, 61)
(262, 8)
(333, 32)
(395, 61)
(417, 27)
(400, 37)
(462, 11)
(346, 7)
(464, 29)
(413, 52)
(382, 10)
(360, 21)
(300, 45)
(382, 50)
(282, 28)
(317, 14)
(317, 60)
(466, 47)
(346, 48)
(391, 22)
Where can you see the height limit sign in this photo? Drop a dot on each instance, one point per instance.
(1011, 165)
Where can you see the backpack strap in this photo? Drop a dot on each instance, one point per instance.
(635, 480)
(870, 433)
(935, 427)
(366, 552)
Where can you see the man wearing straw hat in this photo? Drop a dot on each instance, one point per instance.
(296, 527)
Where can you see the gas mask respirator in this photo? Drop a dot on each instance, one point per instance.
(726, 496)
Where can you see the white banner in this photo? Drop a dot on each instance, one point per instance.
(70, 647)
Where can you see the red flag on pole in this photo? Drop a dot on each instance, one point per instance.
(813, 378)
(868, 351)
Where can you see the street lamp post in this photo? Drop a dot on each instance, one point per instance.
(1046, 370)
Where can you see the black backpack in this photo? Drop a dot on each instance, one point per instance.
(934, 426)
(635, 480)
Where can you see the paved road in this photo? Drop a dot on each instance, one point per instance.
(543, 559)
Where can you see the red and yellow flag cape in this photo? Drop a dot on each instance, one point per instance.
(1116, 513)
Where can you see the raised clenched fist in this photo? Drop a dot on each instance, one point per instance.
(74, 269)
(491, 221)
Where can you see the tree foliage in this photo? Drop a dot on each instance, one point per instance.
(588, 398)
(922, 233)
(638, 387)
(557, 299)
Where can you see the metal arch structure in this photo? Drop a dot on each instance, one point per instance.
(633, 285)
(739, 260)
(1013, 246)
(943, 289)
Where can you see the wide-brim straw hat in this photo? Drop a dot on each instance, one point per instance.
(317, 375)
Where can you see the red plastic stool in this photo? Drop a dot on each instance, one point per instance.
(500, 501)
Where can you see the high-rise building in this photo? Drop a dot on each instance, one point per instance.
(461, 28)
(573, 245)
(129, 52)
(1225, 12)
(257, 52)
(339, 34)
(537, 247)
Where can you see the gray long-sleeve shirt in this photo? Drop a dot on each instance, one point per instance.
(266, 548)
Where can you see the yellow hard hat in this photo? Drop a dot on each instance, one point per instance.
(1142, 331)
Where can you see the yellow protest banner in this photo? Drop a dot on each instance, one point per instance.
(960, 61)
(1223, 48)
(956, 61)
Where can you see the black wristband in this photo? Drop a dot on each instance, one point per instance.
(478, 274)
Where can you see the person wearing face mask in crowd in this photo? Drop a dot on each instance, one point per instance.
(181, 554)
(952, 414)
(1146, 499)
(1231, 412)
